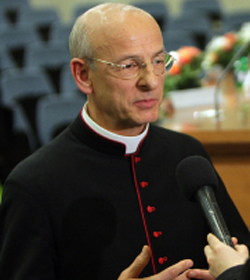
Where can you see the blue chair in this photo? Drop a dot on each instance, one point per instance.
(19, 83)
(4, 21)
(11, 8)
(174, 39)
(24, 87)
(67, 82)
(22, 125)
(40, 19)
(158, 9)
(6, 60)
(51, 57)
(13, 4)
(16, 38)
(211, 8)
(60, 31)
(53, 54)
(54, 113)
(198, 25)
(234, 21)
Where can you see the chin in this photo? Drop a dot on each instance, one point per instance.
(150, 119)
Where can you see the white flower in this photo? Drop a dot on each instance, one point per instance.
(217, 43)
(244, 32)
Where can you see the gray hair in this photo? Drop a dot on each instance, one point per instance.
(79, 41)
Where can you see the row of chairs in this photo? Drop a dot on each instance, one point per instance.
(18, 139)
(23, 87)
(198, 22)
(45, 116)
(16, 81)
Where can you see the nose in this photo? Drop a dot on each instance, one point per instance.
(148, 80)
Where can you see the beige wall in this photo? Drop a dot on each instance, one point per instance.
(66, 7)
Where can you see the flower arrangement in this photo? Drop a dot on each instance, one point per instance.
(186, 71)
(195, 68)
(221, 49)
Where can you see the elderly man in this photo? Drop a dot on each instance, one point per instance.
(84, 206)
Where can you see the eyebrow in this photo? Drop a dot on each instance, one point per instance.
(137, 57)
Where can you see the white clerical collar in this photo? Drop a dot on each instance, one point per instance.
(131, 142)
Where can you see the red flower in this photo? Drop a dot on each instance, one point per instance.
(187, 54)
(175, 69)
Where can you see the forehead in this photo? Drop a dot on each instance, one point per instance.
(134, 35)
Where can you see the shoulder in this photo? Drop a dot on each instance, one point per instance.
(169, 136)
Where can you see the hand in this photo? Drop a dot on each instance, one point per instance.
(221, 257)
(202, 274)
(170, 273)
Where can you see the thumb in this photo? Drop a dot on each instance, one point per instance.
(137, 266)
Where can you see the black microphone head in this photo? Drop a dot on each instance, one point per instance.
(195, 172)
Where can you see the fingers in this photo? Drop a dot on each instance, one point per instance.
(134, 270)
(212, 240)
(242, 249)
(173, 271)
(199, 274)
(235, 241)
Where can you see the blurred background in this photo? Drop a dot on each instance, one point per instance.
(66, 8)
(202, 95)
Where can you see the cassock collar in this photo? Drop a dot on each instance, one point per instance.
(84, 133)
(131, 143)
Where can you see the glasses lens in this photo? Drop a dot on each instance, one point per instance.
(169, 61)
(127, 70)
(162, 64)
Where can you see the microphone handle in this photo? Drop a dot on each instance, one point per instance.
(206, 198)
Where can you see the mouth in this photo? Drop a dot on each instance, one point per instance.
(146, 103)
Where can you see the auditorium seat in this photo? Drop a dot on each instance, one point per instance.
(54, 113)
(41, 19)
(51, 57)
(158, 9)
(16, 38)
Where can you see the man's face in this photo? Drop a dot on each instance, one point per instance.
(125, 106)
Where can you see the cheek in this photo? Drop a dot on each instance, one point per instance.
(122, 91)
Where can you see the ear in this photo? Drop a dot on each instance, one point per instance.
(80, 72)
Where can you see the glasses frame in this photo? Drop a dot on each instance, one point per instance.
(142, 66)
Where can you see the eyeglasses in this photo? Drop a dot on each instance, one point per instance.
(132, 68)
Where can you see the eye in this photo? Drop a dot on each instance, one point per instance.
(159, 60)
(129, 65)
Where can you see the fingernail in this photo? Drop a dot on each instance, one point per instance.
(144, 250)
(192, 274)
(189, 263)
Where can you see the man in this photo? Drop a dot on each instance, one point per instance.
(84, 206)
(226, 263)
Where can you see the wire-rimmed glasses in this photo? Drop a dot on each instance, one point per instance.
(132, 68)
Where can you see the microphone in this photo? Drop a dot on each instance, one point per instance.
(198, 181)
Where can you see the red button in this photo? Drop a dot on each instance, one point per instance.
(162, 260)
(137, 159)
(144, 184)
(156, 234)
(151, 209)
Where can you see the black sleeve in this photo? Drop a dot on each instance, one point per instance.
(233, 273)
(26, 250)
(246, 271)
